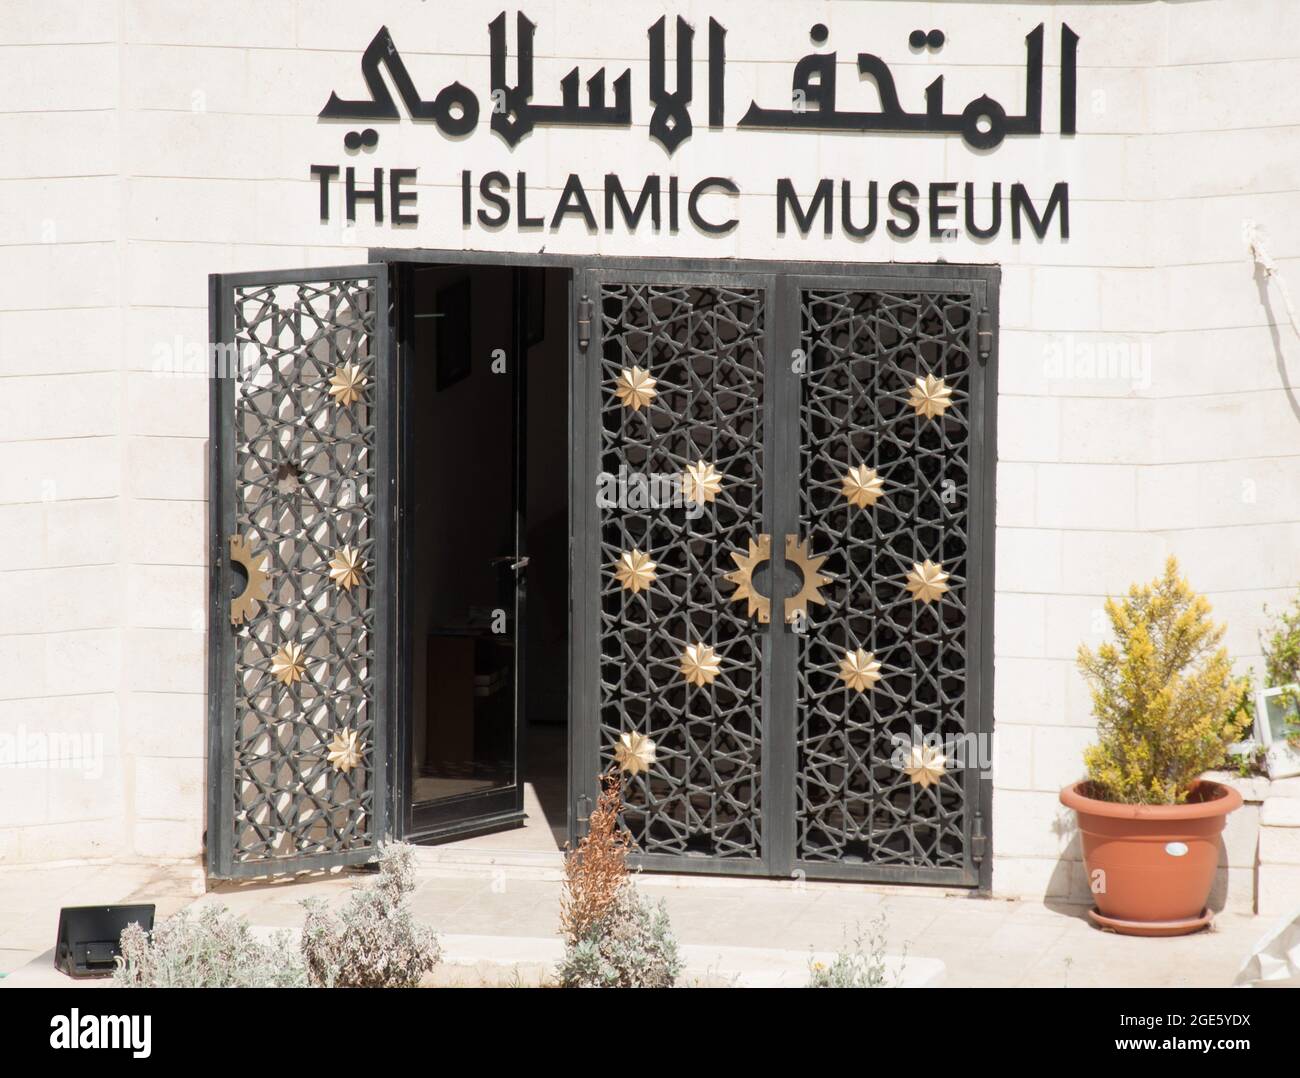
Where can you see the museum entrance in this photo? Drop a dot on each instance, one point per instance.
(487, 527)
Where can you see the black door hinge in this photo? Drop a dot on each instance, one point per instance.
(584, 323)
(978, 840)
(984, 334)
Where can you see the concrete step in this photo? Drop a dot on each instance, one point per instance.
(495, 958)
(453, 860)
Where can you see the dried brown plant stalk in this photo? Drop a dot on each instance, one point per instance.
(596, 872)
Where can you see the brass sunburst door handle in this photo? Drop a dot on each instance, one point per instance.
(256, 587)
(760, 550)
(796, 552)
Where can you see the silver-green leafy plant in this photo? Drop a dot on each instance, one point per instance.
(632, 946)
(613, 938)
(373, 941)
(860, 963)
(216, 949)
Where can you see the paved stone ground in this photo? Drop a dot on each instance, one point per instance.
(982, 942)
(30, 900)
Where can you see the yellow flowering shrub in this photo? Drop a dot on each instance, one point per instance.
(1161, 693)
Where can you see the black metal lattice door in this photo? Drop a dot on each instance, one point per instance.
(782, 511)
(674, 385)
(301, 481)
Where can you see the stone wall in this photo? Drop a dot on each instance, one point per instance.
(1101, 479)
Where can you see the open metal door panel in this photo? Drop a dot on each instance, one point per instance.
(301, 568)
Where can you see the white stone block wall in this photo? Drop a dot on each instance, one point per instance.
(1199, 459)
(176, 141)
(62, 581)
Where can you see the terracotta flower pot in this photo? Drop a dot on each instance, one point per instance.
(1151, 867)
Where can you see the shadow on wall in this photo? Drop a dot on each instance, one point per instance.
(1275, 333)
(1068, 881)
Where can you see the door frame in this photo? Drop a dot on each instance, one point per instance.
(983, 530)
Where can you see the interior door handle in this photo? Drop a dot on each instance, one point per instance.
(522, 563)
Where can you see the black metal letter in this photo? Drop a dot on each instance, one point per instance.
(717, 72)
(823, 200)
(906, 209)
(573, 200)
(846, 214)
(631, 217)
(995, 224)
(1020, 202)
(325, 173)
(397, 198)
(698, 219)
(353, 194)
(670, 125)
(937, 211)
(502, 204)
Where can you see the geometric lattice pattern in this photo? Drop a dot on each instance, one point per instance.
(865, 349)
(305, 486)
(703, 346)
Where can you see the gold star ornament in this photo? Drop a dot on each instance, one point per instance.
(859, 670)
(700, 664)
(634, 387)
(634, 752)
(345, 750)
(930, 396)
(634, 570)
(701, 482)
(347, 383)
(289, 663)
(862, 486)
(925, 765)
(927, 581)
(347, 568)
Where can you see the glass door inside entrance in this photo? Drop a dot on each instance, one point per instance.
(483, 548)
(465, 564)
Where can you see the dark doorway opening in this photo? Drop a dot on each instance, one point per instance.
(484, 553)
